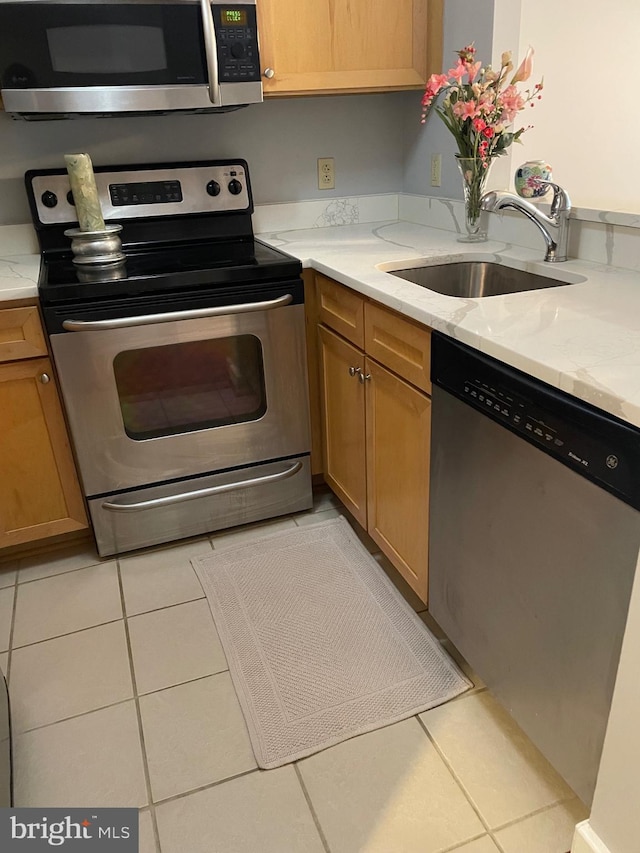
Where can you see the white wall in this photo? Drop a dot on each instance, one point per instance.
(506, 36)
(280, 139)
(588, 123)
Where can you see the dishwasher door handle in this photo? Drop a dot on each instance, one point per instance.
(173, 316)
(170, 500)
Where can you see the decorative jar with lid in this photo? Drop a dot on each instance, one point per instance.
(527, 177)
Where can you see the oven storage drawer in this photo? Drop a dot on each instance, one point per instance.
(167, 512)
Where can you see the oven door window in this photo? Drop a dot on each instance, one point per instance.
(196, 385)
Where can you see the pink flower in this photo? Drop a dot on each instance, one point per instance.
(472, 70)
(465, 109)
(459, 71)
(435, 83)
(526, 66)
(488, 132)
(510, 101)
(479, 125)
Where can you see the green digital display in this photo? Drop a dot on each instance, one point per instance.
(233, 17)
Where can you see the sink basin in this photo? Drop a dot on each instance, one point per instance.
(473, 279)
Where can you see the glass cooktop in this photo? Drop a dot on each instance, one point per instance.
(165, 268)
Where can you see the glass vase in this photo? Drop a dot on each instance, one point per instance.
(474, 173)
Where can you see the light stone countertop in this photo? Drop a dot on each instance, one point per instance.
(19, 262)
(19, 276)
(583, 338)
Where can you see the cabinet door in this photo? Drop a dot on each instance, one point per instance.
(39, 491)
(398, 439)
(343, 432)
(320, 46)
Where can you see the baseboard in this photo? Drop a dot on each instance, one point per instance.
(585, 840)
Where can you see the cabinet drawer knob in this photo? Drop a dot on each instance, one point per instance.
(44, 378)
(364, 377)
(353, 371)
(269, 73)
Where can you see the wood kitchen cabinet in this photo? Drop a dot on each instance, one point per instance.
(376, 423)
(39, 491)
(330, 46)
(343, 422)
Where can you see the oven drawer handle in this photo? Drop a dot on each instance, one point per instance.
(169, 500)
(172, 316)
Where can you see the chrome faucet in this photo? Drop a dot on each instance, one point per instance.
(556, 224)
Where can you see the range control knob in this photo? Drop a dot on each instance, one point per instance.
(238, 50)
(235, 187)
(213, 188)
(49, 199)
(70, 198)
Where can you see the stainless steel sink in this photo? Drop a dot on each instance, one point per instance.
(473, 279)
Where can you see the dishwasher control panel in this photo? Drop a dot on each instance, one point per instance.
(592, 442)
(516, 411)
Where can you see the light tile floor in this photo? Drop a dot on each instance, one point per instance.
(121, 696)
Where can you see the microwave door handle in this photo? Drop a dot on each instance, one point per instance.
(211, 51)
(173, 316)
(169, 500)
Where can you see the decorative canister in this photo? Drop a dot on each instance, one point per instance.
(527, 176)
(101, 247)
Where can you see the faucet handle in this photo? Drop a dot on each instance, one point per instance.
(561, 203)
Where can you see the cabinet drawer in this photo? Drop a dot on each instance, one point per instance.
(402, 346)
(341, 309)
(21, 334)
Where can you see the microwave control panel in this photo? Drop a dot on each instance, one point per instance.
(237, 40)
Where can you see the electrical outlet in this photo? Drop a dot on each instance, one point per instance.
(326, 173)
(436, 170)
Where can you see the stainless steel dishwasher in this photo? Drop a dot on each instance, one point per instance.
(535, 533)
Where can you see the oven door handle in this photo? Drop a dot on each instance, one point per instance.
(170, 500)
(172, 316)
(210, 51)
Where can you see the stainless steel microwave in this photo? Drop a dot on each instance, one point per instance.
(71, 59)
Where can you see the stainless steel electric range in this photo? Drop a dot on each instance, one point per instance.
(183, 372)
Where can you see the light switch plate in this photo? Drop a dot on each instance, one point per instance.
(436, 170)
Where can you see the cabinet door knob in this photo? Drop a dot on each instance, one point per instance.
(269, 73)
(353, 371)
(364, 377)
(44, 378)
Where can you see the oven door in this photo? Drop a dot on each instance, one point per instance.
(103, 58)
(164, 396)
